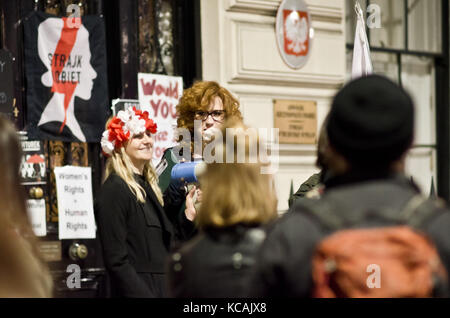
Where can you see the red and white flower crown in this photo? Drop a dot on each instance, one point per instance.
(124, 126)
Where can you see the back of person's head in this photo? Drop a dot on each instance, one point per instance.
(12, 195)
(22, 271)
(322, 145)
(371, 122)
(237, 192)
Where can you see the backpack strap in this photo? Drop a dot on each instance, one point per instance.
(416, 212)
(420, 210)
(322, 211)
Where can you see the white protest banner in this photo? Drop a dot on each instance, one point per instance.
(36, 215)
(159, 95)
(75, 203)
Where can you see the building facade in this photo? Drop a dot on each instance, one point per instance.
(234, 43)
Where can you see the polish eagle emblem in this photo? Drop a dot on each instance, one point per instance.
(295, 32)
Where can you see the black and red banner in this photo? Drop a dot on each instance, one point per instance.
(65, 65)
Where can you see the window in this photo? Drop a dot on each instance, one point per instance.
(409, 49)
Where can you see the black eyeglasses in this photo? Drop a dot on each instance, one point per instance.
(217, 115)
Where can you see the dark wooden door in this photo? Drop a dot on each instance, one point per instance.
(150, 36)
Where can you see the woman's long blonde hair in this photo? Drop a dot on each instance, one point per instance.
(120, 164)
(236, 193)
(23, 271)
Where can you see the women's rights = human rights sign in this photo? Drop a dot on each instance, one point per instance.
(75, 202)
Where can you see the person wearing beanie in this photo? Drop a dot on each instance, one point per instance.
(370, 129)
(371, 122)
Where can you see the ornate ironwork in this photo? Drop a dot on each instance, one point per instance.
(79, 154)
(52, 7)
(147, 48)
(57, 152)
(156, 53)
(164, 11)
(58, 7)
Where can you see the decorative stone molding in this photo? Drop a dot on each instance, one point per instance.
(329, 10)
(253, 56)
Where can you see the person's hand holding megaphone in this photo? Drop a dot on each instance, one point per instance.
(190, 210)
(187, 172)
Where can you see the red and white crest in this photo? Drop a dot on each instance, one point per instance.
(294, 32)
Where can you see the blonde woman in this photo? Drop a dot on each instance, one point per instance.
(134, 229)
(238, 200)
(23, 273)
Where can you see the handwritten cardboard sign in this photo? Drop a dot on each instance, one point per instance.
(36, 215)
(296, 121)
(159, 95)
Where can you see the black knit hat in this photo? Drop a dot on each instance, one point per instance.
(371, 121)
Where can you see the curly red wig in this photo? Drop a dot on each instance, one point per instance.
(199, 97)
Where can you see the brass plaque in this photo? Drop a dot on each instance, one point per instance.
(51, 251)
(296, 121)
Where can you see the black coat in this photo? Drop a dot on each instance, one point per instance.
(215, 263)
(284, 264)
(135, 239)
(175, 199)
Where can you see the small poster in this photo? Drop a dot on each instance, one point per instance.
(159, 95)
(65, 68)
(51, 251)
(33, 168)
(123, 104)
(75, 203)
(36, 215)
(296, 121)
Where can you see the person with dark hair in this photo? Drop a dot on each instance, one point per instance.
(23, 273)
(314, 186)
(210, 104)
(371, 217)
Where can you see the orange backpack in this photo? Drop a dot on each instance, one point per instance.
(384, 262)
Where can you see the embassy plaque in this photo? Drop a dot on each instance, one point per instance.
(296, 121)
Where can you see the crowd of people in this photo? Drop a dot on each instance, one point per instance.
(359, 228)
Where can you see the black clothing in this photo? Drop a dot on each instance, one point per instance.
(135, 237)
(371, 121)
(185, 229)
(284, 264)
(311, 188)
(216, 263)
(307, 186)
(312, 183)
(174, 206)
